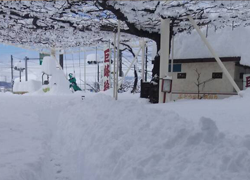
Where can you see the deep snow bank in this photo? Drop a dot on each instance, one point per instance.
(103, 139)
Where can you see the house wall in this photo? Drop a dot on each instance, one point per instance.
(238, 70)
(206, 69)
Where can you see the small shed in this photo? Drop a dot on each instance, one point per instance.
(203, 78)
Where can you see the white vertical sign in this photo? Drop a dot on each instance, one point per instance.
(106, 69)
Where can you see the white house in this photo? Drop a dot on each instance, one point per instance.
(197, 74)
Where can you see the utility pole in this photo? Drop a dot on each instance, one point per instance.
(26, 68)
(12, 73)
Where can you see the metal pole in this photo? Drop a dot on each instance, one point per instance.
(146, 65)
(12, 73)
(53, 52)
(215, 55)
(61, 60)
(97, 67)
(26, 68)
(66, 64)
(114, 70)
(118, 51)
(80, 69)
(172, 66)
(172, 57)
(135, 58)
(20, 75)
(164, 58)
(143, 61)
(109, 65)
(85, 59)
(120, 64)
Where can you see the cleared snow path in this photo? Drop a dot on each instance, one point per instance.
(26, 128)
(22, 139)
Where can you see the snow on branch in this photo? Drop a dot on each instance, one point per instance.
(71, 23)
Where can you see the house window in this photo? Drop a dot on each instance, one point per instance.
(176, 68)
(217, 75)
(181, 75)
(241, 75)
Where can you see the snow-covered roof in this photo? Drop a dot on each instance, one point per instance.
(92, 57)
(226, 43)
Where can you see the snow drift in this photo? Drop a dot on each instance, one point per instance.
(98, 138)
(26, 86)
(102, 139)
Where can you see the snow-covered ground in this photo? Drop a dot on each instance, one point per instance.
(49, 137)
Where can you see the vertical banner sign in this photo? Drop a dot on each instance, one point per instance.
(246, 81)
(106, 71)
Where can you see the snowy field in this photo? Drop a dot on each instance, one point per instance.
(52, 137)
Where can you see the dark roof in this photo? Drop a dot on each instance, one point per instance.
(200, 60)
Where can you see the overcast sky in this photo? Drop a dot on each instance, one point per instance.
(6, 51)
